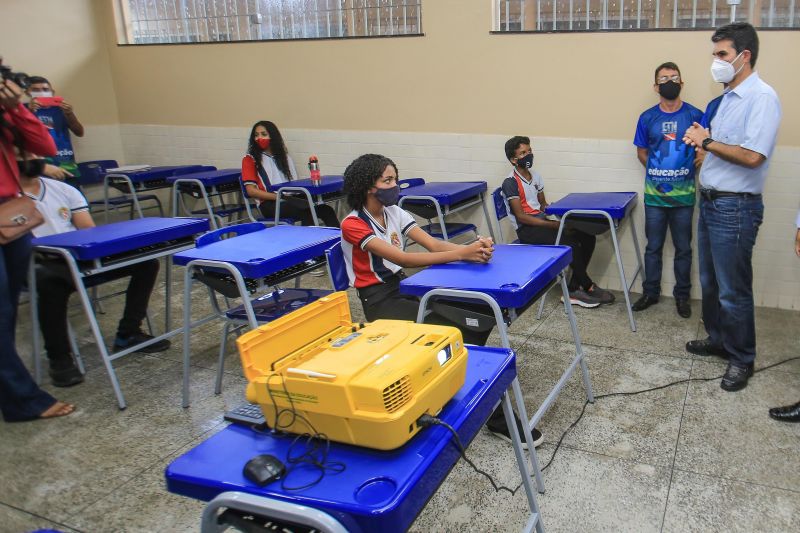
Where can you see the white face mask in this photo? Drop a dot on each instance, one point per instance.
(722, 71)
(41, 94)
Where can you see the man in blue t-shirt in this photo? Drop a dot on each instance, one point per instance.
(669, 188)
(60, 119)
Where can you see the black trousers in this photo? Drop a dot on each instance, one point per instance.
(298, 209)
(582, 245)
(54, 286)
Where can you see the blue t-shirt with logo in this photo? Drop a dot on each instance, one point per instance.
(669, 177)
(56, 123)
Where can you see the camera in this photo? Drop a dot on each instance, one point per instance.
(20, 78)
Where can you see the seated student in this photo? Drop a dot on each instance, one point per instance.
(374, 239)
(267, 164)
(523, 191)
(64, 209)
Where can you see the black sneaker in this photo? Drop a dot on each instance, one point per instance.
(121, 343)
(736, 377)
(644, 302)
(706, 348)
(65, 373)
(500, 429)
(684, 308)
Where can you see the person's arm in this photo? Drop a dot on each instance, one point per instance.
(82, 220)
(73, 123)
(797, 243)
(36, 138)
(432, 244)
(79, 209)
(737, 155)
(250, 178)
(475, 252)
(57, 173)
(529, 220)
(641, 154)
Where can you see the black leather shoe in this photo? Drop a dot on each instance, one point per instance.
(789, 413)
(644, 302)
(684, 309)
(706, 348)
(65, 374)
(736, 377)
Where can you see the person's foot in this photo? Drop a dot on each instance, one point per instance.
(603, 295)
(736, 377)
(499, 428)
(583, 299)
(65, 373)
(58, 409)
(123, 342)
(644, 302)
(706, 348)
(789, 413)
(683, 307)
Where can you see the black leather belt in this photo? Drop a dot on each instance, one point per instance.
(713, 194)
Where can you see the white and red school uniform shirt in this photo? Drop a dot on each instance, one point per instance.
(358, 228)
(271, 176)
(527, 191)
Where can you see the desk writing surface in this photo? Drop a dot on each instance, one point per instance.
(161, 172)
(328, 184)
(446, 193)
(266, 251)
(515, 274)
(616, 204)
(120, 237)
(210, 178)
(379, 490)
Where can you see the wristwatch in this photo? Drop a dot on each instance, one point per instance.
(706, 142)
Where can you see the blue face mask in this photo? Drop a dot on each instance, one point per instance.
(525, 162)
(388, 196)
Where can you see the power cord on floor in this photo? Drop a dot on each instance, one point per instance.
(428, 420)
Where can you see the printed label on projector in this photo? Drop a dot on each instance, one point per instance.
(472, 322)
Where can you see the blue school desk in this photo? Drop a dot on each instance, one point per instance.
(615, 207)
(210, 187)
(138, 181)
(378, 490)
(329, 189)
(446, 198)
(247, 263)
(104, 249)
(516, 276)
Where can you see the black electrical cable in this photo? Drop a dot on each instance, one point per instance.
(427, 420)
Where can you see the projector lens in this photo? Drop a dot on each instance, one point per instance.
(444, 355)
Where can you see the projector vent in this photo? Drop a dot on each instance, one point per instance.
(397, 394)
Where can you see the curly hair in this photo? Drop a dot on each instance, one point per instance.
(276, 144)
(360, 176)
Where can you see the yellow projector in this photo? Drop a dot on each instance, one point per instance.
(362, 384)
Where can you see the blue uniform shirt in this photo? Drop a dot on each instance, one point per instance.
(53, 118)
(748, 116)
(669, 177)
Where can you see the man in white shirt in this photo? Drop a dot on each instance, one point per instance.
(65, 209)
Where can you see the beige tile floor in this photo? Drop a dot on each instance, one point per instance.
(685, 458)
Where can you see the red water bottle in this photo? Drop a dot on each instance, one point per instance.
(313, 168)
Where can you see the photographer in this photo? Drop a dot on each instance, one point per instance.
(20, 397)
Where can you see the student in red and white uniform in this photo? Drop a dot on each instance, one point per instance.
(374, 239)
(266, 164)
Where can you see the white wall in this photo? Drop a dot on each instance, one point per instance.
(567, 165)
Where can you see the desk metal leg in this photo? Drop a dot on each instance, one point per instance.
(622, 279)
(34, 303)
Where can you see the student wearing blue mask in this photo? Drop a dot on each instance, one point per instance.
(374, 239)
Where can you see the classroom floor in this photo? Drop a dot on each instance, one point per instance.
(690, 457)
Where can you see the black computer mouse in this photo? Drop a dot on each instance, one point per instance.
(264, 469)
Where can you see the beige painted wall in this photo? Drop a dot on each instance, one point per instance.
(65, 42)
(457, 78)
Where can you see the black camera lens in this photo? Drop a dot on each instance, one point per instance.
(20, 78)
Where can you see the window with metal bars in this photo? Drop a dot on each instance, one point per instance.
(199, 21)
(601, 15)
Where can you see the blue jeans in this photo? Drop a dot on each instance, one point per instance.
(726, 233)
(679, 221)
(20, 396)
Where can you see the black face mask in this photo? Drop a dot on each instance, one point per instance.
(670, 90)
(31, 168)
(525, 162)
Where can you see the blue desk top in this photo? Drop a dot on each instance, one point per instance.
(328, 184)
(266, 251)
(445, 192)
(210, 178)
(379, 490)
(616, 204)
(516, 273)
(120, 237)
(154, 173)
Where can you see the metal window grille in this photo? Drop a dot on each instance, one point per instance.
(597, 15)
(196, 21)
